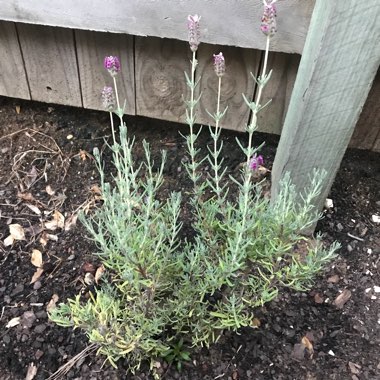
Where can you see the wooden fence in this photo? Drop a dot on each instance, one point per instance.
(52, 51)
(63, 64)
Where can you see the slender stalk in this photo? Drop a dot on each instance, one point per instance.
(112, 128)
(261, 85)
(191, 121)
(216, 136)
(247, 172)
(119, 111)
(116, 145)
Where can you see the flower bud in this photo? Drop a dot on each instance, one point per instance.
(219, 64)
(108, 99)
(194, 31)
(255, 162)
(112, 64)
(268, 19)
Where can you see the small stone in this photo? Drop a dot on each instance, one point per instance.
(6, 339)
(318, 299)
(89, 279)
(375, 219)
(17, 290)
(298, 351)
(349, 248)
(41, 314)
(38, 354)
(339, 226)
(342, 298)
(39, 329)
(37, 285)
(28, 319)
(333, 279)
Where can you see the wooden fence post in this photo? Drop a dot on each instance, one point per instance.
(339, 62)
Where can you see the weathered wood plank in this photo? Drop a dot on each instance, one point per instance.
(237, 80)
(13, 81)
(376, 145)
(279, 89)
(367, 129)
(159, 75)
(227, 22)
(92, 47)
(337, 68)
(50, 63)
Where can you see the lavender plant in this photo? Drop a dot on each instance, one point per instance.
(165, 293)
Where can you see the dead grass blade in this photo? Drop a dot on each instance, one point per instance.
(63, 370)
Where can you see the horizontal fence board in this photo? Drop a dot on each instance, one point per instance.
(236, 81)
(367, 130)
(279, 90)
(92, 47)
(51, 64)
(159, 76)
(51, 61)
(13, 81)
(228, 22)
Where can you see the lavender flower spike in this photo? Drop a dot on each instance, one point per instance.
(108, 98)
(194, 31)
(255, 162)
(112, 64)
(268, 19)
(219, 64)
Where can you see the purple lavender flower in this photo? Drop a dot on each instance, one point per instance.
(108, 98)
(194, 31)
(112, 64)
(268, 19)
(255, 162)
(219, 64)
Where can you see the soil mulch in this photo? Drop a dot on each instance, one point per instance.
(330, 332)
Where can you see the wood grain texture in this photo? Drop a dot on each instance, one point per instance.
(227, 22)
(237, 80)
(376, 145)
(367, 130)
(92, 47)
(279, 89)
(335, 75)
(13, 81)
(159, 75)
(51, 64)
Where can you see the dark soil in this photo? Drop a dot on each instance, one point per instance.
(36, 151)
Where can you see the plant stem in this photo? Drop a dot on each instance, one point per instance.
(119, 111)
(191, 121)
(216, 136)
(253, 124)
(247, 172)
(112, 128)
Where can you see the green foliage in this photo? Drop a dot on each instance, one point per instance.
(163, 289)
(176, 354)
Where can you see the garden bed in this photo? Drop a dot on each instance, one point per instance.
(46, 165)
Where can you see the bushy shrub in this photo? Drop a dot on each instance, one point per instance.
(161, 288)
